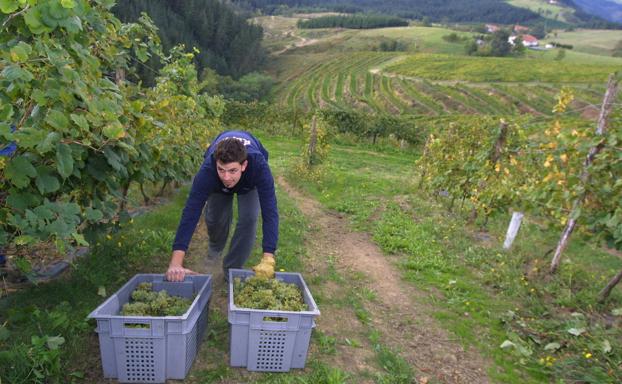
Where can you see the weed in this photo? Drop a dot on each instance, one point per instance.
(397, 369)
(327, 344)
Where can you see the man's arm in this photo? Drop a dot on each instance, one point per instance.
(269, 209)
(199, 192)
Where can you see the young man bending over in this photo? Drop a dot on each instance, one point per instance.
(235, 164)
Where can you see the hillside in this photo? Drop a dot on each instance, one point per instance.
(560, 13)
(430, 76)
(607, 9)
(557, 11)
(434, 10)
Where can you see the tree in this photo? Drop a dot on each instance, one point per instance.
(225, 40)
(470, 48)
(499, 45)
(519, 48)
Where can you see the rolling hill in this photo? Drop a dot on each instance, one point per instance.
(607, 9)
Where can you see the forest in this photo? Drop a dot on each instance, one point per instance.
(226, 42)
(358, 21)
(449, 10)
(496, 11)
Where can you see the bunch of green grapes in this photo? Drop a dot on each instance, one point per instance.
(146, 302)
(272, 294)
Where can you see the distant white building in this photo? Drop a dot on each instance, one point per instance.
(492, 28)
(528, 40)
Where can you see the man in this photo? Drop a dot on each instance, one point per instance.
(235, 164)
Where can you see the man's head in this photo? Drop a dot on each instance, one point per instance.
(231, 161)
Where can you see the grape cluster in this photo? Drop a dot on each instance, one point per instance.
(262, 293)
(146, 302)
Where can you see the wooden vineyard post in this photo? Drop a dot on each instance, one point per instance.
(602, 296)
(312, 140)
(601, 129)
(517, 218)
(119, 76)
(495, 155)
(428, 141)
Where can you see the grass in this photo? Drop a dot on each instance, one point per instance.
(419, 39)
(497, 69)
(591, 41)
(488, 297)
(574, 58)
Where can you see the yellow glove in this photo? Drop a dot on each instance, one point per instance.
(265, 268)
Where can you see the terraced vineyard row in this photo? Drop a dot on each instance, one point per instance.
(357, 80)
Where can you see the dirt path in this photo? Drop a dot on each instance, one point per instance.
(302, 42)
(398, 313)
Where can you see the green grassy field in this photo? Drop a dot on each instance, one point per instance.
(591, 41)
(497, 69)
(418, 39)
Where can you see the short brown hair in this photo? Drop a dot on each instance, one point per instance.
(230, 150)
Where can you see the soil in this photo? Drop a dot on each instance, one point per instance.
(399, 313)
(302, 42)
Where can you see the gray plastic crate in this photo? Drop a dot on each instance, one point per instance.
(260, 344)
(163, 347)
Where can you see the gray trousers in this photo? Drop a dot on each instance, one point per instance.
(218, 217)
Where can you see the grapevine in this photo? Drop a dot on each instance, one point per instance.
(538, 169)
(83, 133)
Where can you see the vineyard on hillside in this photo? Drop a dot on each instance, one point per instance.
(388, 82)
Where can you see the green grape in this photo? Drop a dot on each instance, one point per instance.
(146, 302)
(135, 309)
(271, 294)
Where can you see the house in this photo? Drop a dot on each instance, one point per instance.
(520, 29)
(492, 28)
(553, 2)
(528, 40)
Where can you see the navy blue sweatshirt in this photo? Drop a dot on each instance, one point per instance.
(257, 175)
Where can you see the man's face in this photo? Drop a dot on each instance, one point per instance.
(230, 173)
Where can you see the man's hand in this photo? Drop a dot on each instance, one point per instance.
(176, 271)
(266, 267)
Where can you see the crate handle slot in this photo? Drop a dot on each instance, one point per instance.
(135, 325)
(275, 319)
